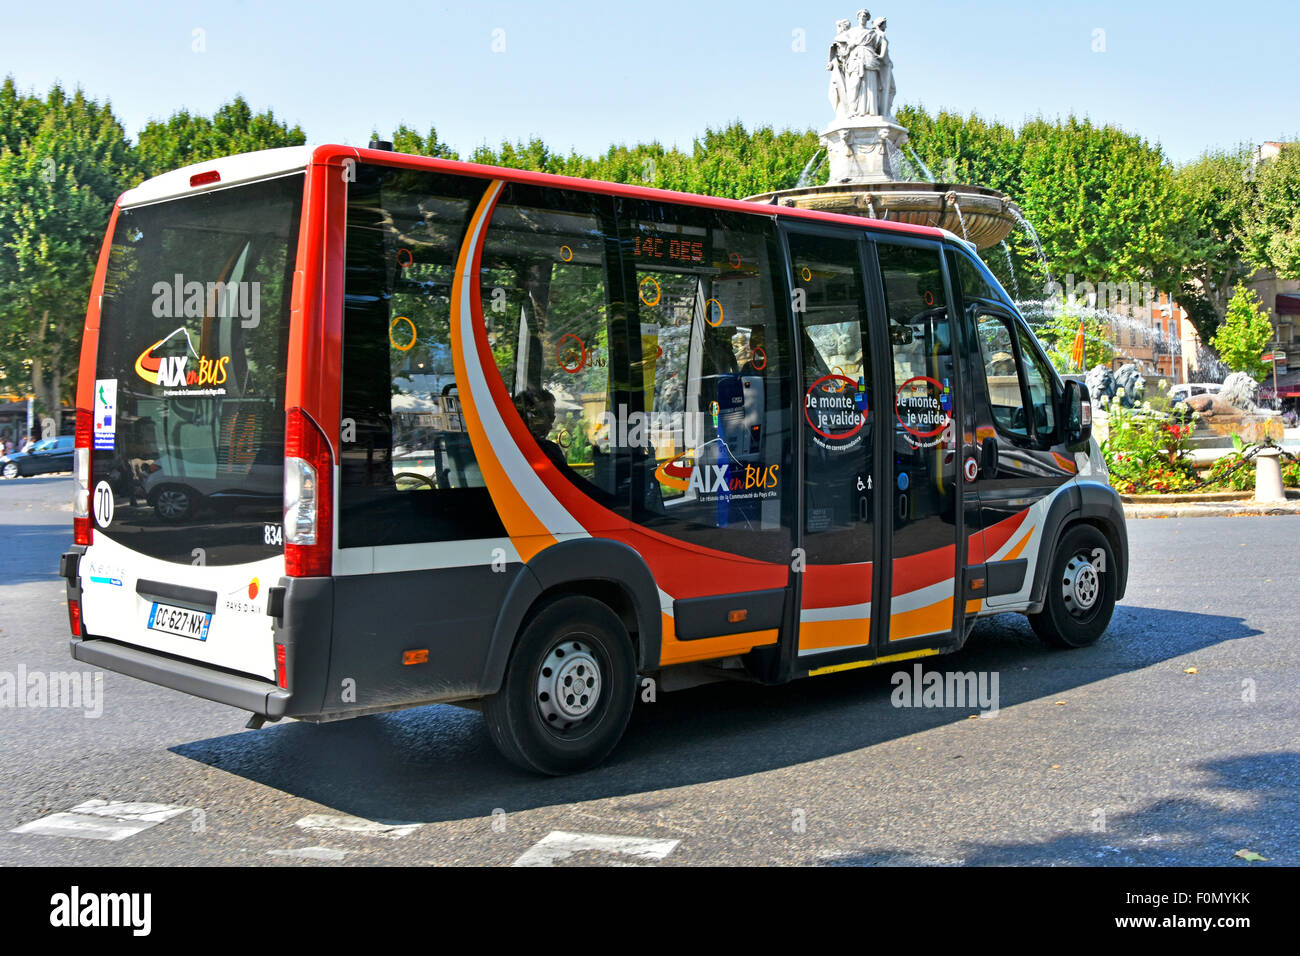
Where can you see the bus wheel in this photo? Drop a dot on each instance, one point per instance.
(1080, 590)
(568, 689)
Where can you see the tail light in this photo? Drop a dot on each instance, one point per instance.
(281, 667)
(81, 480)
(308, 498)
(74, 618)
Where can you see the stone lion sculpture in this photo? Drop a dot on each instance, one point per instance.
(1240, 391)
(1101, 384)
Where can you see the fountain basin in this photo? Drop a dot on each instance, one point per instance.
(982, 216)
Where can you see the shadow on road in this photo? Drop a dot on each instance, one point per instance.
(437, 763)
(1174, 832)
(31, 551)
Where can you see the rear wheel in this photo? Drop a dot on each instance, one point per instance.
(1080, 590)
(568, 690)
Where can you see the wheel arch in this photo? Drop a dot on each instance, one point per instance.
(609, 571)
(1092, 503)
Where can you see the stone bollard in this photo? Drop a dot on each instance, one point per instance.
(1268, 476)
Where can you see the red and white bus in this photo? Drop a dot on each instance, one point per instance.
(359, 431)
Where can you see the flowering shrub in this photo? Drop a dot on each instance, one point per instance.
(1147, 451)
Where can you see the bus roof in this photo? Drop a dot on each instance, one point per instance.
(246, 167)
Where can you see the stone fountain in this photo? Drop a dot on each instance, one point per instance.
(864, 144)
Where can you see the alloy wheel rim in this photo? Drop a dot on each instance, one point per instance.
(173, 503)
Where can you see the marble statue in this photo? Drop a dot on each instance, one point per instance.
(862, 72)
(887, 90)
(864, 140)
(835, 63)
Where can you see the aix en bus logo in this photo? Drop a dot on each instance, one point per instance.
(174, 371)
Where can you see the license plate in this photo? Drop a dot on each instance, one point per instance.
(180, 620)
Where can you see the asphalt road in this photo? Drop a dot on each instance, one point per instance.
(1114, 754)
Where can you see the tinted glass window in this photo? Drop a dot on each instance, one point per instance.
(714, 373)
(408, 470)
(973, 283)
(1001, 376)
(189, 380)
(1020, 381)
(546, 301)
(1038, 379)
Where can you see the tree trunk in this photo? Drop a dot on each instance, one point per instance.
(38, 358)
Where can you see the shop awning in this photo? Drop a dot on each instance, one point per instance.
(1288, 386)
(1288, 303)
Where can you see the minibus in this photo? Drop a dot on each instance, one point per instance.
(359, 431)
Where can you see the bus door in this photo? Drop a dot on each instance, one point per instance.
(1018, 412)
(926, 543)
(839, 400)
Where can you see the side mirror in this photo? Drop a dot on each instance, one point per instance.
(1077, 412)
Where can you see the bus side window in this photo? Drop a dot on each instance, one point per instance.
(999, 358)
(1020, 389)
(1037, 377)
(543, 284)
(715, 376)
(408, 469)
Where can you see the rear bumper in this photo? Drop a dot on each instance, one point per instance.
(246, 693)
(302, 624)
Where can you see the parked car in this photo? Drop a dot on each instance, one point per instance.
(50, 454)
(178, 498)
(1181, 393)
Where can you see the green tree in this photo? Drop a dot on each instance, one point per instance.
(407, 140)
(964, 149)
(187, 138)
(57, 189)
(1212, 202)
(734, 163)
(1059, 329)
(1245, 333)
(1098, 197)
(1273, 227)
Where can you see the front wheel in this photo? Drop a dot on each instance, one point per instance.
(1080, 590)
(11, 469)
(568, 689)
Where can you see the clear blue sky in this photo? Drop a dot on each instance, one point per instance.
(1189, 75)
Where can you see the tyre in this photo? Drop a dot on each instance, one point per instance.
(11, 469)
(174, 503)
(568, 689)
(1080, 590)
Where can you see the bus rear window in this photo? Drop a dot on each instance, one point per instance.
(189, 376)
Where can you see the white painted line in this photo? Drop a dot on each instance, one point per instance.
(558, 845)
(102, 820)
(323, 853)
(330, 823)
